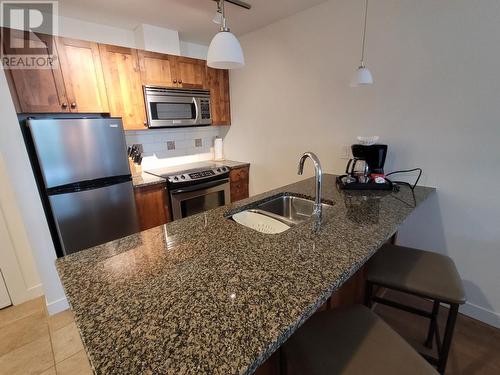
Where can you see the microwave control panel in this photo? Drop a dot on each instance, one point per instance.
(205, 109)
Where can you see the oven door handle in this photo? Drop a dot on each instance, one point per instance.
(205, 185)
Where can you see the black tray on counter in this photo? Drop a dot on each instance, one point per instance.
(360, 186)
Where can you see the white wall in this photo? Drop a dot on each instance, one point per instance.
(16, 260)
(21, 201)
(197, 51)
(157, 39)
(435, 102)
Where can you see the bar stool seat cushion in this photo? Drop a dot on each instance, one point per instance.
(350, 342)
(419, 272)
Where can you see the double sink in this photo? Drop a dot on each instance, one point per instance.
(277, 214)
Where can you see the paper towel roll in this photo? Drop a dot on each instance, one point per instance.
(218, 149)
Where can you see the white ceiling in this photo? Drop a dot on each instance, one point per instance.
(192, 18)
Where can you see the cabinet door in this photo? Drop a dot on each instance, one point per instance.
(152, 206)
(218, 83)
(157, 69)
(82, 73)
(123, 85)
(38, 90)
(190, 73)
(239, 183)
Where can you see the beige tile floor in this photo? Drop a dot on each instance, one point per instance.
(32, 342)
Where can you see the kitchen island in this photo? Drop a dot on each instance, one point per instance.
(205, 295)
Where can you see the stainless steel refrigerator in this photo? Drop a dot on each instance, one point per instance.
(86, 180)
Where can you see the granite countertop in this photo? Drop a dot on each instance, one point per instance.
(146, 179)
(204, 295)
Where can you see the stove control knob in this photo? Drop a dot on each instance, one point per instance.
(176, 178)
(224, 169)
(183, 177)
(218, 170)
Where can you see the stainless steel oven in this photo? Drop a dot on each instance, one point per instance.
(201, 197)
(201, 187)
(170, 107)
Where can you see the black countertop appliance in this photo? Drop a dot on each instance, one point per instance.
(374, 156)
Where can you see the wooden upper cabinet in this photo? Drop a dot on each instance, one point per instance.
(190, 73)
(37, 90)
(123, 85)
(218, 82)
(157, 69)
(83, 77)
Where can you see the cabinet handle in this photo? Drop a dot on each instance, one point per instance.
(64, 105)
(175, 81)
(180, 81)
(146, 124)
(73, 105)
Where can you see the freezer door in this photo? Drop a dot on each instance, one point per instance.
(92, 217)
(75, 150)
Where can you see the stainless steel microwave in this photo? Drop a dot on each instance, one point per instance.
(170, 107)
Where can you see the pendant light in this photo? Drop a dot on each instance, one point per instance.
(363, 76)
(225, 50)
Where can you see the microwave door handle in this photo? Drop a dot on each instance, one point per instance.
(197, 109)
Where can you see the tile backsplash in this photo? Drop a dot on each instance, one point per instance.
(160, 145)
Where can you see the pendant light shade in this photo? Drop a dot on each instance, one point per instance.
(225, 52)
(361, 77)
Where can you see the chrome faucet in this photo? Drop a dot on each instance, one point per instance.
(318, 212)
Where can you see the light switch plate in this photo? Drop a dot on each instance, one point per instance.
(198, 142)
(170, 145)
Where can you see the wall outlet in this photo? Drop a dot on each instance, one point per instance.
(198, 142)
(170, 145)
(345, 152)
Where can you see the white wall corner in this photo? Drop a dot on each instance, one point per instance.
(157, 39)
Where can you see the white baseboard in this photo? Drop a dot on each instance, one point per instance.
(57, 306)
(35, 291)
(480, 313)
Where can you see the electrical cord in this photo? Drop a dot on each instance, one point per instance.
(420, 171)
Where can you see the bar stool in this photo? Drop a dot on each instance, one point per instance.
(424, 274)
(353, 341)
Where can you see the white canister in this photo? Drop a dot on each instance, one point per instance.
(218, 149)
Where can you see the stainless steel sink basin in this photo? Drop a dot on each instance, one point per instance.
(287, 209)
(291, 209)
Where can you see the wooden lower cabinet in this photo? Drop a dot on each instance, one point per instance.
(152, 204)
(239, 183)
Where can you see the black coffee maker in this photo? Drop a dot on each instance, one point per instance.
(374, 156)
(371, 176)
